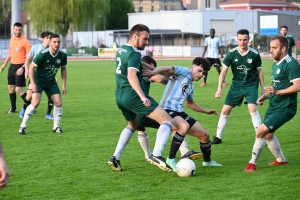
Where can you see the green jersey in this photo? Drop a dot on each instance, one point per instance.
(283, 74)
(291, 44)
(243, 67)
(47, 65)
(127, 57)
(146, 85)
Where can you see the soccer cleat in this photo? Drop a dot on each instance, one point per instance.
(159, 162)
(211, 163)
(22, 130)
(48, 116)
(275, 162)
(202, 84)
(216, 140)
(250, 167)
(22, 113)
(114, 164)
(58, 130)
(172, 163)
(193, 155)
(223, 84)
(10, 111)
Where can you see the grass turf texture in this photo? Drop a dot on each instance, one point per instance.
(46, 165)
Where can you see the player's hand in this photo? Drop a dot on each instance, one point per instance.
(271, 90)
(4, 174)
(218, 94)
(221, 57)
(34, 87)
(170, 76)
(26, 74)
(260, 100)
(146, 101)
(209, 112)
(20, 71)
(64, 90)
(148, 73)
(2, 67)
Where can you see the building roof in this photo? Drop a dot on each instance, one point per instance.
(253, 2)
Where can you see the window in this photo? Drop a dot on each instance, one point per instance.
(152, 8)
(141, 9)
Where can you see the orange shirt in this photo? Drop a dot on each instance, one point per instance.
(18, 49)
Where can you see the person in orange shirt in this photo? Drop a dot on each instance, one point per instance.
(17, 73)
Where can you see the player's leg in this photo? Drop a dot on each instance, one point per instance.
(20, 83)
(53, 92)
(251, 95)
(49, 109)
(11, 89)
(217, 65)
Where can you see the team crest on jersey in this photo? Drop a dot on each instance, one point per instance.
(277, 71)
(249, 60)
(58, 61)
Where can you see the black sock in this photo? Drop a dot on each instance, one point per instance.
(13, 101)
(26, 102)
(176, 142)
(205, 76)
(206, 150)
(50, 106)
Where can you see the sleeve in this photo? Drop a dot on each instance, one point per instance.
(38, 59)
(293, 70)
(258, 61)
(31, 52)
(227, 60)
(134, 61)
(179, 70)
(206, 42)
(27, 47)
(191, 96)
(64, 61)
(220, 42)
(292, 42)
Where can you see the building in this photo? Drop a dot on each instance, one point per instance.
(157, 5)
(201, 4)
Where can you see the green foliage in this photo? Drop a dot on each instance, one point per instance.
(60, 15)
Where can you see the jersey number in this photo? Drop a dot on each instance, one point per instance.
(118, 70)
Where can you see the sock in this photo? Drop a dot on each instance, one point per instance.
(57, 114)
(26, 102)
(223, 120)
(183, 147)
(144, 142)
(50, 106)
(13, 101)
(274, 146)
(257, 149)
(205, 77)
(123, 141)
(256, 120)
(206, 150)
(176, 142)
(28, 112)
(162, 136)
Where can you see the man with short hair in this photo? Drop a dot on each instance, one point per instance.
(42, 73)
(292, 44)
(282, 95)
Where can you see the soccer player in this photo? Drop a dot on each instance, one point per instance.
(42, 73)
(146, 122)
(45, 35)
(19, 46)
(292, 44)
(176, 93)
(245, 65)
(213, 44)
(282, 95)
(131, 99)
(4, 174)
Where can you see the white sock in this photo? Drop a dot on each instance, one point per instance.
(162, 136)
(256, 120)
(221, 125)
(28, 112)
(144, 142)
(123, 141)
(57, 114)
(257, 149)
(274, 146)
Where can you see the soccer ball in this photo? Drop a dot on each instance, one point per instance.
(185, 168)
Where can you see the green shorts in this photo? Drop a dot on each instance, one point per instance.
(49, 88)
(146, 122)
(130, 103)
(274, 119)
(236, 95)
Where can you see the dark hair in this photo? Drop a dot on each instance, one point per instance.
(149, 60)
(212, 29)
(202, 61)
(243, 32)
(136, 29)
(282, 41)
(18, 24)
(45, 34)
(284, 27)
(54, 35)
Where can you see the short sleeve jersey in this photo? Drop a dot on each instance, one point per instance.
(35, 49)
(146, 85)
(18, 48)
(127, 57)
(213, 45)
(47, 65)
(178, 91)
(291, 44)
(243, 67)
(283, 74)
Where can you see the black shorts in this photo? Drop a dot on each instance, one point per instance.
(214, 61)
(13, 78)
(191, 121)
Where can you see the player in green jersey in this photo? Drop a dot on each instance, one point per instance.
(245, 65)
(42, 78)
(282, 95)
(292, 45)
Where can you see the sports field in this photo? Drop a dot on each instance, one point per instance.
(73, 165)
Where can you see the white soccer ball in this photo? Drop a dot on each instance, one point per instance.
(185, 168)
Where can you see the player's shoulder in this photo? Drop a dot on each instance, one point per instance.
(289, 36)
(44, 51)
(62, 52)
(235, 49)
(288, 59)
(253, 51)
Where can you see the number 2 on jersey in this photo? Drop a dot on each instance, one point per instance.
(118, 70)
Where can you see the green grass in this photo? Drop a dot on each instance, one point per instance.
(45, 165)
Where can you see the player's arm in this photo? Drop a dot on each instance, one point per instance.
(294, 88)
(221, 80)
(64, 79)
(195, 107)
(26, 65)
(222, 51)
(4, 174)
(6, 61)
(295, 51)
(146, 66)
(261, 80)
(31, 77)
(166, 71)
(159, 79)
(204, 51)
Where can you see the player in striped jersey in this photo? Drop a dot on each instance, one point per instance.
(282, 95)
(245, 64)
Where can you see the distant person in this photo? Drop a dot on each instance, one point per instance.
(282, 95)
(213, 44)
(292, 44)
(4, 174)
(19, 47)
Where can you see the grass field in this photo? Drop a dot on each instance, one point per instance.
(73, 165)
